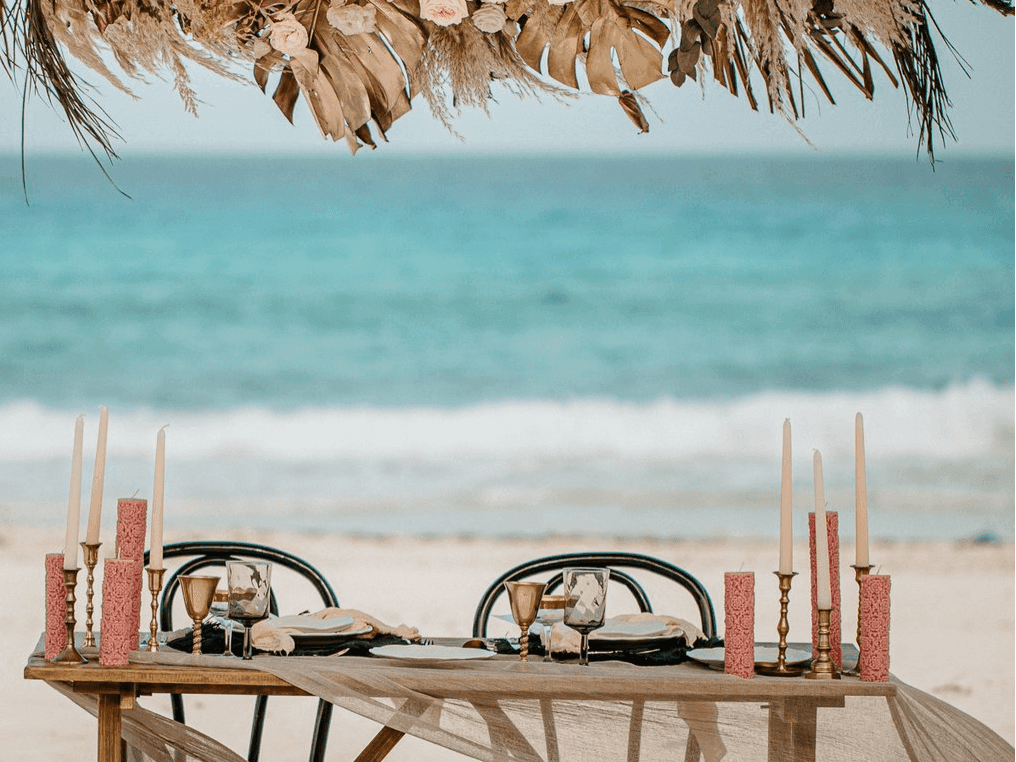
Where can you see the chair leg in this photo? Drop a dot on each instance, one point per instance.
(319, 741)
(257, 728)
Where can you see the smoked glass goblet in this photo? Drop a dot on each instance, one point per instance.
(585, 593)
(249, 584)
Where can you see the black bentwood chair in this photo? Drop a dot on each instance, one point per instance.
(617, 563)
(203, 555)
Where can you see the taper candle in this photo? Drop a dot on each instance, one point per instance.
(860, 496)
(98, 477)
(786, 510)
(824, 594)
(74, 500)
(155, 557)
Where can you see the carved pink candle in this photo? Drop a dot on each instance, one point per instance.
(131, 518)
(119, 626)
(56, 606)
(874, 613)
(739, 623)
(835, 626)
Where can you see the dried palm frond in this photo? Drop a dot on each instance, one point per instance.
(357, 81)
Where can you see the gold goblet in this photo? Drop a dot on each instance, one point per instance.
(525, 601)
(198, 592)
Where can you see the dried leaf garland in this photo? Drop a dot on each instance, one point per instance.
(358, 64)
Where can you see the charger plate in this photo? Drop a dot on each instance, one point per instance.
(431, 653)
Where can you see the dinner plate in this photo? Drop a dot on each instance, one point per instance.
(431, 653)
(312, 625)
(714, 657)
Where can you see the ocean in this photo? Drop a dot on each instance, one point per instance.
(512, 345)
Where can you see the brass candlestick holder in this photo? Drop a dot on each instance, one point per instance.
(91, 559)
(823, 667)
(781, 668)
(155, 586)
(70, 654)
(860, 572)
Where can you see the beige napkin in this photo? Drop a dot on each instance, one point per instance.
(267, 637)
(567, 640)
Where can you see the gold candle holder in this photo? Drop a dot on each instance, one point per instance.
(823, 667)
(781, 668)
(91, 559)
(860, 572)
(70, 654)
(155, 587)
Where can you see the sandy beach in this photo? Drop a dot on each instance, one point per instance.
(952, 624)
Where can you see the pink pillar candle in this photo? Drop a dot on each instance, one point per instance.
(56, 606)
(118, 629)
(739, 623)
(874, 613)
(835, 625)
(131, 518)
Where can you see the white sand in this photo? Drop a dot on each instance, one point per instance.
(952, 625)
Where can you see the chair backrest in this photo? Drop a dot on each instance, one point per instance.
(205, 554)
(617, 563)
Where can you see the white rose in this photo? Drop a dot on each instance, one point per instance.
(288, 35)
(489, 18)
(443, 12)
(352, 19)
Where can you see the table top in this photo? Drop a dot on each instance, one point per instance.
(494, 677)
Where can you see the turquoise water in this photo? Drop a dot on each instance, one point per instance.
(436, 345)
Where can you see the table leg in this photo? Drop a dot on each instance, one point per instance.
(792, 725)
(110, 727)
(383, 743)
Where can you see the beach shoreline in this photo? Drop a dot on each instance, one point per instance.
(952, 618)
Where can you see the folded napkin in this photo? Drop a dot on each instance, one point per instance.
(567, 640)
(267, 636)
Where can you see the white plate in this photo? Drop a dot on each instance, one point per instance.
(431, 653)
(312, 625)
(621, 630)
(714, 657)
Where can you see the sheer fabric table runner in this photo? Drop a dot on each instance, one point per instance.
(500, 709)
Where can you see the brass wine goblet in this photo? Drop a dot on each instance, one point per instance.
(525, 602)
(198, 592)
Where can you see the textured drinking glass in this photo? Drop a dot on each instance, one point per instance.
(249, 584)
(585, 594)
(551, 610)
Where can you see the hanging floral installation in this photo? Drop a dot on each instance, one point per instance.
(358, 64)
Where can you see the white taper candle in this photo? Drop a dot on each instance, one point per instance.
(155, 557)
(786, 510)
(98, 477)
(74, 499)
(860, 496)
(824, 594)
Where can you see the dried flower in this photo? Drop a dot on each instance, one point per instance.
(259, 48)
(559, 2)
(443, 12)
(489, 18)
(288, 35)
(352, 19)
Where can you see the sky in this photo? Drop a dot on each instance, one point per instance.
(688, 120)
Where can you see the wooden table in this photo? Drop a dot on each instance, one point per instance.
(792, 702)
